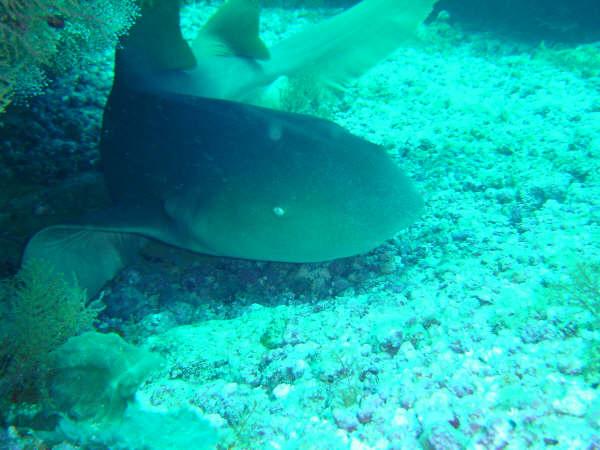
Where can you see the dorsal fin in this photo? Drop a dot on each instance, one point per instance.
(154, 43)
(233, 31)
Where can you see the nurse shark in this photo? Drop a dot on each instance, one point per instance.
(192, 162)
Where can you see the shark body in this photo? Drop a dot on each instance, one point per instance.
(191, 163)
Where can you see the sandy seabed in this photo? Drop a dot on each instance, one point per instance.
(477, 327)
(469, 330)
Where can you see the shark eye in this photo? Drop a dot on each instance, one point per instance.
(278, 211)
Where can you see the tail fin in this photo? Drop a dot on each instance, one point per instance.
(347, 45)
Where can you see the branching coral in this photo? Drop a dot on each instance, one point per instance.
(583, 291)
(44, 311)
(583, 60)
(38, 37)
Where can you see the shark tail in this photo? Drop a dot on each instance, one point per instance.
(344, 47)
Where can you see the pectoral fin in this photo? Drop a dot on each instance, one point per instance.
(85, 256)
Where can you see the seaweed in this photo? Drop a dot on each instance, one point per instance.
(583, 60)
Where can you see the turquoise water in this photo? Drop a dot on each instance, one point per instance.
(474, 326)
